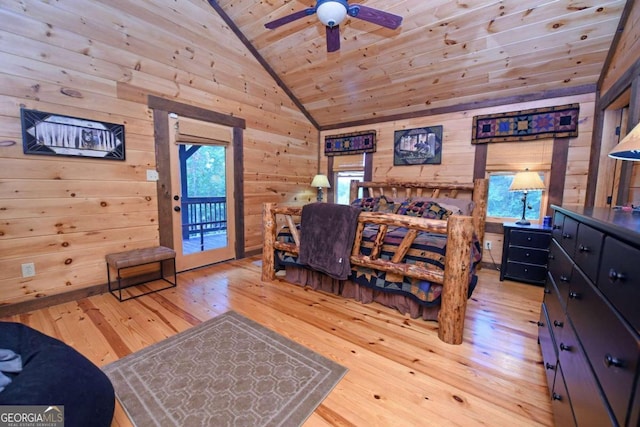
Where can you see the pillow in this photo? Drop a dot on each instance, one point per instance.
(424, 209)
(375, 204)
(457, 206)
(367, 204)
(387, 206)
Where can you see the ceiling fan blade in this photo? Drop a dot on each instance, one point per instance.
(290, 18)
(333, 38)
(375, 16)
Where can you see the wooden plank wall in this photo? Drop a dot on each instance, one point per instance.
(624, 66)
(458, 153)
(98, 60)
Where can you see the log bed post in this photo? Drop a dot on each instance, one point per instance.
(269, 224)
(480, 194)
(455, 287)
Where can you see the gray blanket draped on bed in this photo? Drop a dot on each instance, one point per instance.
(327, 232)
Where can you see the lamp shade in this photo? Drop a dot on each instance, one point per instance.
(629, 147)
(320, 181)
(331, 12)
(525, 181)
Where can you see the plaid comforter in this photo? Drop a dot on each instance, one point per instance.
(428, 250)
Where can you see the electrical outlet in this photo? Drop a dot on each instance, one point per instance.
(152, 175)
(28, 269)
(487, 244)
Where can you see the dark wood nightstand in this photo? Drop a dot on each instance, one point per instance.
(525, 253)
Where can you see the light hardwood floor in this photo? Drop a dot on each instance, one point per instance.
(400, 374)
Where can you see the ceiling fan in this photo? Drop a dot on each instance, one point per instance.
(332, 12)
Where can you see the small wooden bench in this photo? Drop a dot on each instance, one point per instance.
(136, 258)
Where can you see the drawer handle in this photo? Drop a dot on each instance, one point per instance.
(527, 255)
(540, 324)
(566, 235)
(528, 238)
(564, 347)
(583, 248)
(556, 396)
(610, 361)
(549, 366)
(564, 278)
(551, 256)
(556, 227)
(574, 295)
(615, 275)
(558, 324)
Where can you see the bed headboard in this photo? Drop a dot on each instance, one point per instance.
(397, 189)
(476, 191)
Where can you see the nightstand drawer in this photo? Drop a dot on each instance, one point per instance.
(527, 272)
(528, 255)
(529, 239)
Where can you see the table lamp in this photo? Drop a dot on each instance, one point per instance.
(526, 181)
(320, 181)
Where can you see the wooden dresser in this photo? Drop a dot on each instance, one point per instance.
(590, 319)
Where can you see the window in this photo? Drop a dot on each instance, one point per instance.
(343, 184)
(503, 203)
(344, 170)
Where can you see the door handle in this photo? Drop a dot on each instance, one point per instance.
(176, 208)
(176, 197)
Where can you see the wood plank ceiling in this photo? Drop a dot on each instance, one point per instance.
(445, 53)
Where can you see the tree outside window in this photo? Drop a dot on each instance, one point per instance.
(503, 203)
(343, 185)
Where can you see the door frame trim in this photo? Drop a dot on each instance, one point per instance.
(161, 108)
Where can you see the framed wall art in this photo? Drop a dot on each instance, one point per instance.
(58, 135)
(420, 146)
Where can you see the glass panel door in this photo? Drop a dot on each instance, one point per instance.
(203, 225)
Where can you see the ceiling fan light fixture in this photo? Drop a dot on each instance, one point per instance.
(331, 12)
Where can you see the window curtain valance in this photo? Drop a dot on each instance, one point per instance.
(526, 125)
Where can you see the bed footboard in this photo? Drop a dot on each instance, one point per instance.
(455, 278)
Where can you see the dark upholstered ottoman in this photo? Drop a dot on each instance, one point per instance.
(55, 374)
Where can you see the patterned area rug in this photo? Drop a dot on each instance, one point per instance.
(227, 371)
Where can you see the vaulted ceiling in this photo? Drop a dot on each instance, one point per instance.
(445, 53)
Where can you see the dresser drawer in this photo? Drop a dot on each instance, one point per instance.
(547, 347)
(589, 407)
(619, 279)
(526, 272)
(529, 255)
(562, 413)
(634, 416)
(558, 222)
(587, 251)
(530, 239)
(555, 311)
(610, 345)
(567, 238)
(560, 267)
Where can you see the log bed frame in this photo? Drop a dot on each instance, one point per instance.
(458, 228)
